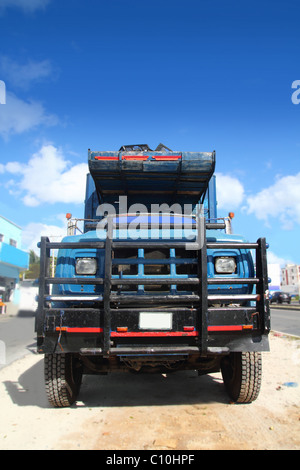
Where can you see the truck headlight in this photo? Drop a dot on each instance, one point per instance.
(86, 266)
(225, 265)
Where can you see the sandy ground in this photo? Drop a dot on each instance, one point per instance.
(179, 411)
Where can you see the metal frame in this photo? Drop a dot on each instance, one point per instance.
(200, 302)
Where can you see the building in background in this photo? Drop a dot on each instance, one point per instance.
(274, 273)
(290, 279)
(13, 260)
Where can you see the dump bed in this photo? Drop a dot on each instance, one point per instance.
(151, 176)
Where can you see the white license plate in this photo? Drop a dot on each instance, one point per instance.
(155, 321)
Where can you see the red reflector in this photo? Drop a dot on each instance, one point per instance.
(154, 157)
(140, 334)
(229, 327)
(188, 328)
(225, 328)
(71, 329)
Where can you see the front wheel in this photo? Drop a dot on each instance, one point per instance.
(63, 374)
(241, 373)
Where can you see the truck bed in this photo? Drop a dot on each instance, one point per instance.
(169, 177)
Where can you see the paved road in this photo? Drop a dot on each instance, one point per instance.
(17, 338)
(285, 320)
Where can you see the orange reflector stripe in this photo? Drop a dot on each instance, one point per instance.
(106, 158)
(122, 329)
(135, 157)
(167, 157)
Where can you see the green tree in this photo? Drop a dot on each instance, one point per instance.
(33, 257)
(34, 266)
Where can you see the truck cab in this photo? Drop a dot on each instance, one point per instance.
(154, 283)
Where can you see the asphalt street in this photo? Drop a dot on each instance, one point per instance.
(286, 319)
(17, 337)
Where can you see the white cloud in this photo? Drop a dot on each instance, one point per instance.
(275, 259)
(19, 116)
(33, 232)
(13, 167)
(28, 6)
(230, 191)
(280, 200)
(49, 178)
(26, 74)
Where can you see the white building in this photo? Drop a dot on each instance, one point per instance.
(274, 274)
(13, 260)
(290, 279)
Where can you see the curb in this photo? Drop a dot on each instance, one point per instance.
(285, 307)
(281, 334)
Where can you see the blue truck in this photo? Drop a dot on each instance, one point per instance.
(154, 282)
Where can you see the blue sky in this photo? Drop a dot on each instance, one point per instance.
(197, 75)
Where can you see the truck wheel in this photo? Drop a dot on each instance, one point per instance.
(241, 373)
(63, 374)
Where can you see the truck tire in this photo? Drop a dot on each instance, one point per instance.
(63, 374)
(241, 373)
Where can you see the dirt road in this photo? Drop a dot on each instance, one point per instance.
(154, 412)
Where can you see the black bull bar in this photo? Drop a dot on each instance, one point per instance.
(200, 299)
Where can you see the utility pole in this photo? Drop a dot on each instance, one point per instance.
(71, 225)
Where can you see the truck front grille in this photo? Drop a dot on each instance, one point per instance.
(154, 264)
